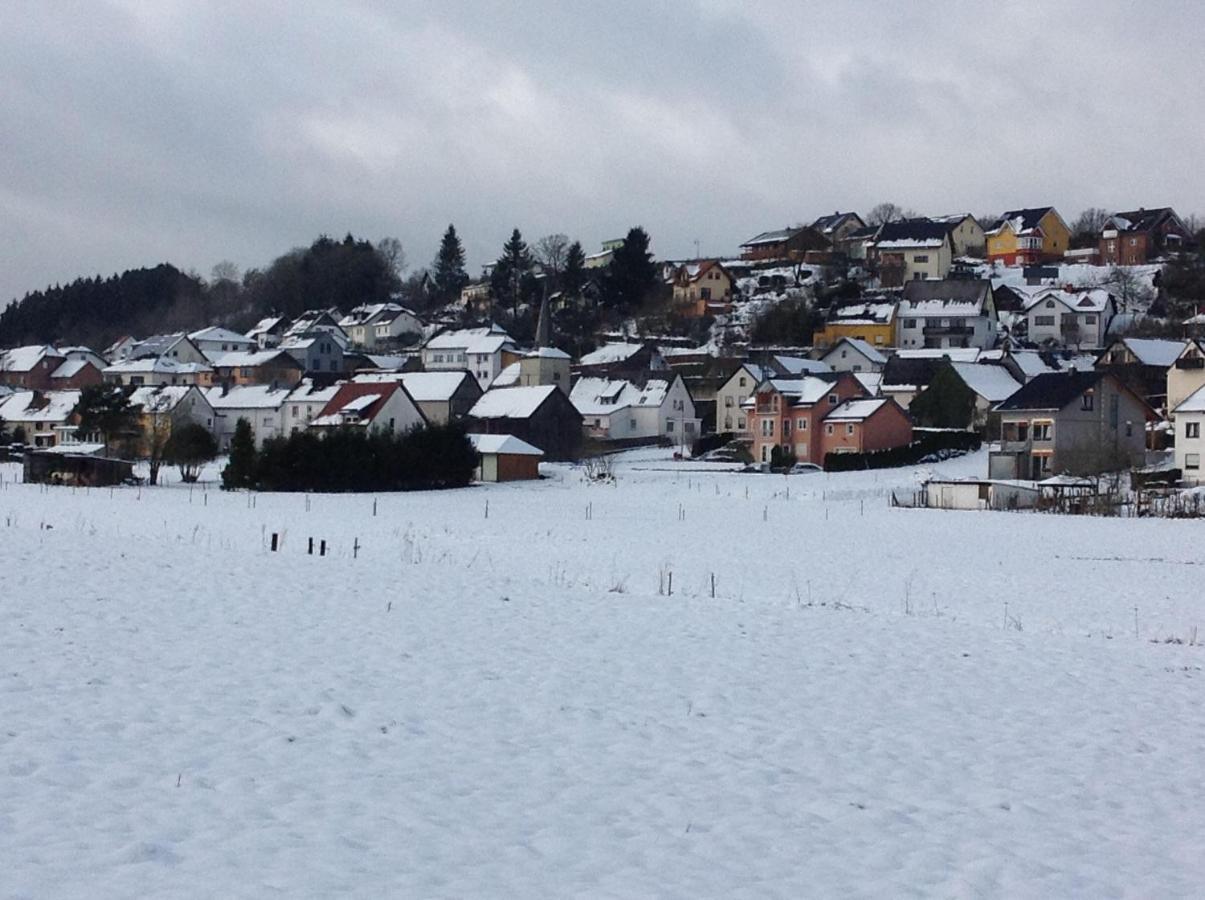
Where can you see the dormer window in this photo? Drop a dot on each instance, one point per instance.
(832, 399)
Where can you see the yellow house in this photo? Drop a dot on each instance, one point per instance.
(702, 288)
(1024, 237)
(873, 322)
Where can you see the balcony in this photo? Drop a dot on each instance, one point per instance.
(948, 331)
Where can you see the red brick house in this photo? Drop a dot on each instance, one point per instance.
(788, 413)
(30, 367)
(1136, 237)
(865, 425)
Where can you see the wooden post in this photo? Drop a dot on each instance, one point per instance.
(355, 549)
(713, 585)
(310, 551)
(275, 541)
(671, 584)
(322, 548)
(374, 506)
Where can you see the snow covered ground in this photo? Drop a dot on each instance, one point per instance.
(496, 696)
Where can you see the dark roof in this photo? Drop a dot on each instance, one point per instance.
(913, 230)
(963, 290)
(862, 233)
(826, 224)
(772, 237)
(918, 371)
(1143, 219)
(1029, 217)
(1051, 390)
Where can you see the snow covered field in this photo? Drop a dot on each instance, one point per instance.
(513, 705)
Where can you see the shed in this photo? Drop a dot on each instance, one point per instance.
(82, 469)
(505, 457)
(979, 493)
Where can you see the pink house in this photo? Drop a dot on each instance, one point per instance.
(788, 413)
(860, 426)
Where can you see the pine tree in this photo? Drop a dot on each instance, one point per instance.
(512, 282)
(240, 471)
(449, 276)
(105, 409)
(573, 277)
(631, 275)
(946, 403)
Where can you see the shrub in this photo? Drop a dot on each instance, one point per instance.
(933, 444)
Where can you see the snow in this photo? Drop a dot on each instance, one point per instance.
(867, 350)
(69, 369)
(955, 354)
(24, 359)
(1082, 301)
(603, 396)
(503, 443)
(611, 353)
(220, 335)
(1193, 403)
(155, 365)
(247, 396)
(992, 383)
(507, 706)
(855, 410)
(798, 365)
(1155, 352)
(20, 406)
(470, 340)
(511, 402)
(547, 353)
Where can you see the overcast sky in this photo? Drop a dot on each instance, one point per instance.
(194, 132)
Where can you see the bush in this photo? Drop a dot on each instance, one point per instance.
(928, 446)
(345, 460)
(190, 447)
(240, 471)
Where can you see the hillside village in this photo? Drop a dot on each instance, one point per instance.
(927, 331)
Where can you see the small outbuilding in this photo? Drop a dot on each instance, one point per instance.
(79, 465)
(505, 457)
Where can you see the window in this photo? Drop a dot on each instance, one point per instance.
(1192, 429)
(801, 425)
(1192, 460)
(740, 424)
(774, 402)
(669, 425)
(920, 258)
(295, 411)
(849, 429)
(909, 323)
(832, 399)
(1022, 431)
(1089, 320)
(727, 423)
(1047, 321)
(631, 423)
(1050, 304)
(1085, 402)
(742, 381)
(828, 429)
(1129, 429)
(1041, 431)
(765, 454)
(767, 427)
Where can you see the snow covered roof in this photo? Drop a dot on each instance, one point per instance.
(1021, 219)
(992, 383)
(1088, 301)
(871, 381)
(221, 335)
(1193, 403)
(911, 233)
(242, 359)
(70, 368)
(155, 365)
(305, 392)
(856, 410)
(863, 313)
(954, 354)
(432, 387)
(772, 237)
(24, 359)
(31, 406)
(863, 347)
(603, 396)
(807, 389)
(798, 365)
(159, 399)
(546, 353)
(247, 396)
(1153, 351)
(611, 353)
(504, 444)
(511, 402)
(508, 377)
(469, 339)
(263, 326)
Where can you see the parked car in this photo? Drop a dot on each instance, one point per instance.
(804, 468)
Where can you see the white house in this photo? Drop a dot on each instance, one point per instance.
(730, 416)
(954, 313)
(183, 403)
(215, 341)
(617, 409)
(1080, 317)
(1189, 418)
(383, 407)
(376, 323)
(43, 416)
(304, 404)
(854, 355)
(1187, 373)
(269, 332)
(260, 404)
(483, 351)
(157, 371)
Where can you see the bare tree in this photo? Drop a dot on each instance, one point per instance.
(224, 271)
(886, 212)
(1087, 228)
(156, 432)
(551, 251)
(390, 249)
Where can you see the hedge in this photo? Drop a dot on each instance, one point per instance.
(938, 444)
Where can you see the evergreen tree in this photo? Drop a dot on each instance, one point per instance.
(512, 282)
(946, 403)
(240, 471)
(631, 276)
(449, 276)
(573, 276)
(105, 409)
(189, 448)
(4, 438)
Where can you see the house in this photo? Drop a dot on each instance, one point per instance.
(859, 243)
(1027, 364)
(966, 234)
(75, 374)
(622, 359)
(990, 384)
(730, 414)
(216, 341)
(702, 288)
(269, 332)
(854, 355)
(787, 243)
(872, 321)
(789, 366)
(505, 457)
(1190, 436)
(956, 312)
(602, 259)
(484, 352)
(1143, 364)
(304, 404)
(544, 365)
(30, 367)
(787, 413)
(157, 370)
(904, 376)
(262, 405)
(978, 494)
(1070, 316)
(1187, 373)
(1024, 237)
(45, 418)
(383, 407)
(1076, 422)
(864, 425)
(277, 368)
(317, 351)
(840, 229)
(163, 409)
(914, 249)
(442, 397)
(657, 405)
(541, 416)
(177, 347)
(371, 324)
(1137, 237)
(314, 320)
